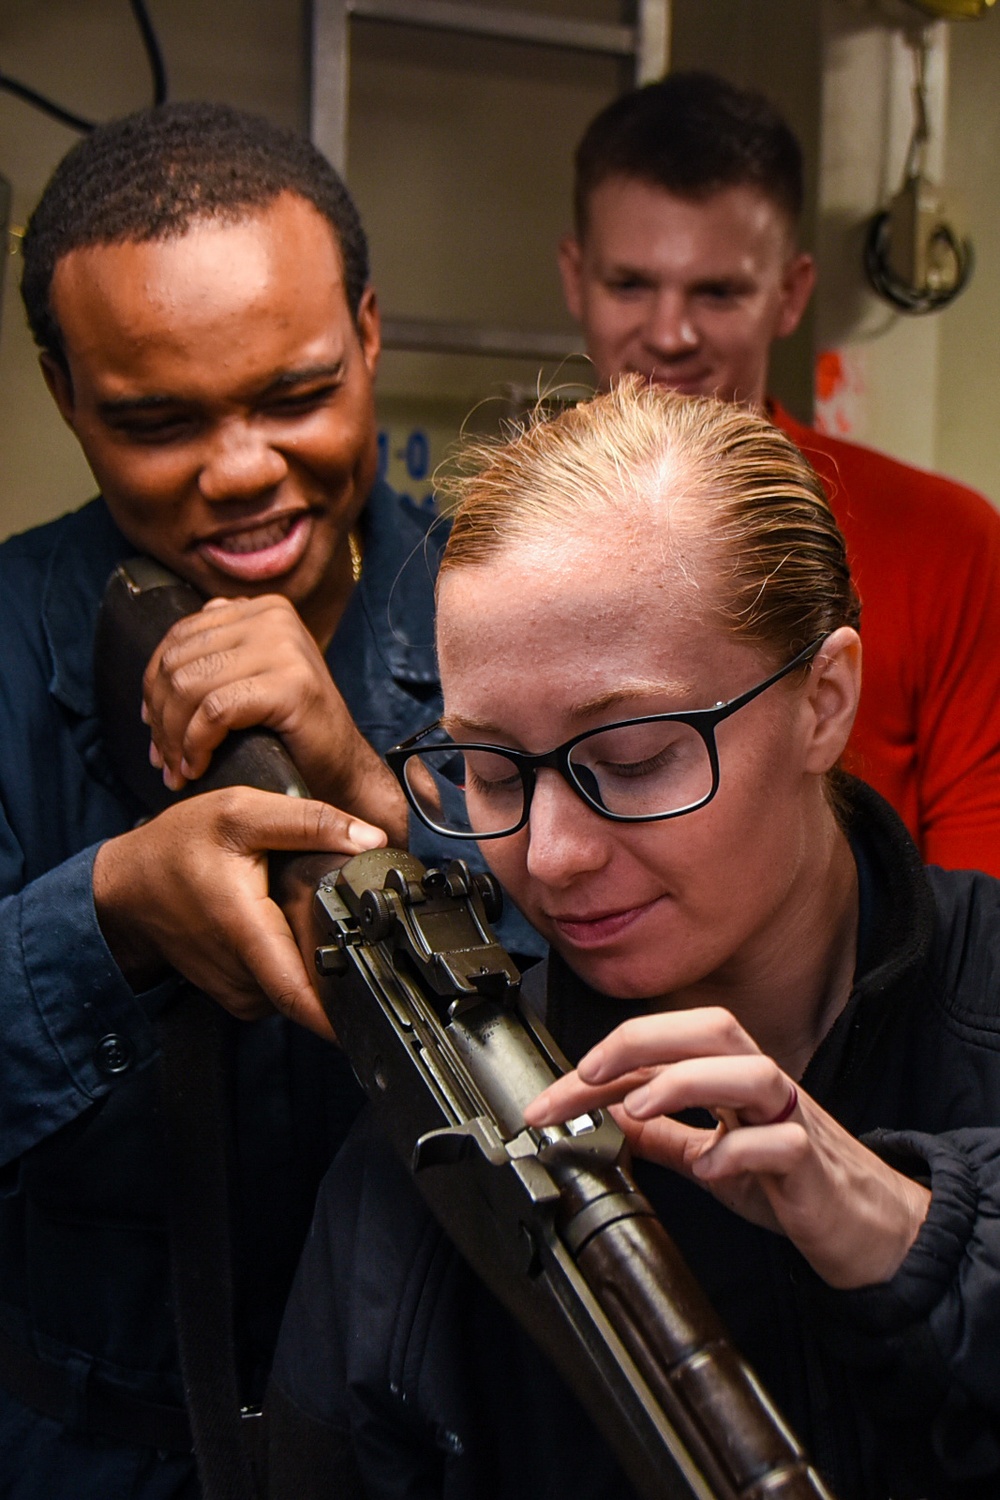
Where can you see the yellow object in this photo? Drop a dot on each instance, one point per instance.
(954, 10)
(354, 542)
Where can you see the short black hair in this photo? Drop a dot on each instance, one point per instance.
(692, 134)
(152, 174)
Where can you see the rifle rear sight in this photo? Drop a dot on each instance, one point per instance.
(438, 920)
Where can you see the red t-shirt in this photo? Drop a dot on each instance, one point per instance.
(925, 554)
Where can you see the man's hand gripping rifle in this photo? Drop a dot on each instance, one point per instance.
(427, 1005)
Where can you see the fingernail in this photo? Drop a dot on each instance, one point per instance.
(637, 1102)
(144, 711)
(155, 758)
(365, 836)
(186, 771)
(592, 1067)
(538, 1109)
(703, 1163)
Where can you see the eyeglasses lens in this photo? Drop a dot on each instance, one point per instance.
(494, 795)
(643, 770)
(637, 770)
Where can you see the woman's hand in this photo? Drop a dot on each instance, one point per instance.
(775, 1157)
(240, 663)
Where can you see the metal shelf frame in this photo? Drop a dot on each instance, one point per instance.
(646, 42)
(432, 336)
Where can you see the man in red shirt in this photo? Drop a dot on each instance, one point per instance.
(685, 267)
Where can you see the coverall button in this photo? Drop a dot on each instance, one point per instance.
(114, 1054)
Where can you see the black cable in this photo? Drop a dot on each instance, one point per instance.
(77, 122)
(31, 96)
(900, 293)
(153, 52)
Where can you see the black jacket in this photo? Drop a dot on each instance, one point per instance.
(428, 1388)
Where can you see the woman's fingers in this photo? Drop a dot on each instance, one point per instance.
(776, 1156)
(570, 1096)
(748, 1090)
(698, 1059)
(668, 1037)
(669, 1143)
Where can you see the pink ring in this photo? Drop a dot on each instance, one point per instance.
(790, 1106)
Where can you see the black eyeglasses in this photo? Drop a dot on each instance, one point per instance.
(633, 771)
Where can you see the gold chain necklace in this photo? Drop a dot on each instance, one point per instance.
(354, 542)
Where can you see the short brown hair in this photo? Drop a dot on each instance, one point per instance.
(783, 573)
(693, 135)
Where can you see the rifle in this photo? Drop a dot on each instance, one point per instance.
(426, 1003)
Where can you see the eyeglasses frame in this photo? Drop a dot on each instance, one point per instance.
(704, 721)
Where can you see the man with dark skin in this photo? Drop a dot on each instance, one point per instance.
(239, 452)
(685, 266)
(197, 282)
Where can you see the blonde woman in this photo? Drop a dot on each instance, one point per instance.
(650, 658)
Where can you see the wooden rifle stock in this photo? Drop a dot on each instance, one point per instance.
(426, 1003)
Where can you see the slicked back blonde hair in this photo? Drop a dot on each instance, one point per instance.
(782, 572)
